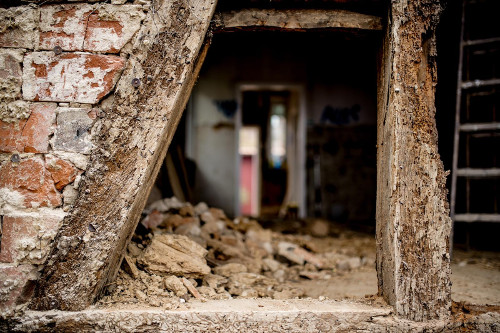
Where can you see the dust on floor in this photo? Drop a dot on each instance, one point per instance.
(182, 252)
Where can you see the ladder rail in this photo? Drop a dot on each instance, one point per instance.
(456, 138)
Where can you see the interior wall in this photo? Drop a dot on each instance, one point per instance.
(337, 70)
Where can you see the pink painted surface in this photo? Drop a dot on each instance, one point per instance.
(246, 197)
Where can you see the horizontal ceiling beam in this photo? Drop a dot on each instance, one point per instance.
(295, 19)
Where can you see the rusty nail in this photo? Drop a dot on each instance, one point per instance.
(57, 50)
(136, 82)
(15, 158)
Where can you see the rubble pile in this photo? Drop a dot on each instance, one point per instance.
(181, 251)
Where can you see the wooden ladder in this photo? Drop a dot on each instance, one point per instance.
(476, 120)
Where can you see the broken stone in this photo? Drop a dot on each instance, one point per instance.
(230, 269)
(187, 210)
(208, 218)
(175, 285)
(287, 250)
(200, 208)
(175, 255)
(217, 213)
(154, 219)
(211, 227)
(214, 281)
(207, 292)
(189, 229)
(320, 228)
(173, 220)
(270, 264)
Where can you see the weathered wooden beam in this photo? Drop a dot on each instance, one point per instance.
(131, 144)
(296, 19)
(413, 223)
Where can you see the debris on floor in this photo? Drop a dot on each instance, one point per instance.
(180, 252)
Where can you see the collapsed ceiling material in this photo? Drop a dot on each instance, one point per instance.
(181, 251)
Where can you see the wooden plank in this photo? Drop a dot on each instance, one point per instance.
(296, 19)
(478, 173)
(413, 223)
(480, 83)
(130, 147)
(479, 127)
(477, 218)
(481, 41)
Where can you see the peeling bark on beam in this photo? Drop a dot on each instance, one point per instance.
(413, 223)
(296, 19)
(131, 144)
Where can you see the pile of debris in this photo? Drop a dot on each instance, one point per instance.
(180, 251)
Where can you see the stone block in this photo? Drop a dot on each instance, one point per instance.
(17, 285)
(28, 184)
(26, 239)
(72, 133)
(31, 135)
(84, 27)
(19, 27)
(69, 77)
(10, 80)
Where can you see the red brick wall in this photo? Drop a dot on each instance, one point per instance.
(59, 65)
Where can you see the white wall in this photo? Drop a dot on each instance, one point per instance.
(339, 74)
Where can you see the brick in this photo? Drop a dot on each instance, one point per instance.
(39, 127)
(32, 181)
(110, 27)
(26, 239)
(19, 27)
(62, 172)
(31, 135)
(69, 77)
(64, 26)
(11, 139)
(84, 27)
(72, 133)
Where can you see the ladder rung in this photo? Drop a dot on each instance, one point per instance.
(477, 218)
(480, 83)
(479, 127)
(478, 173)
(480, 41)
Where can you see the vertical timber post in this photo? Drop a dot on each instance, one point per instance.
(413, 223)
(131, 143)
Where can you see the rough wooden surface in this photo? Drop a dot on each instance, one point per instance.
(131, 144)
(413, 224)
(297, 19)
(250, 315)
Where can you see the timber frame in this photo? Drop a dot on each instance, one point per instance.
(413, 224)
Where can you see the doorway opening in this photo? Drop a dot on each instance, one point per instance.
(270, 151)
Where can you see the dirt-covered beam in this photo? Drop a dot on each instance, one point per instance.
(413, 223)
(295, 19)
(130, 145)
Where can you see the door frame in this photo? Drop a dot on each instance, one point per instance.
(300, 156)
